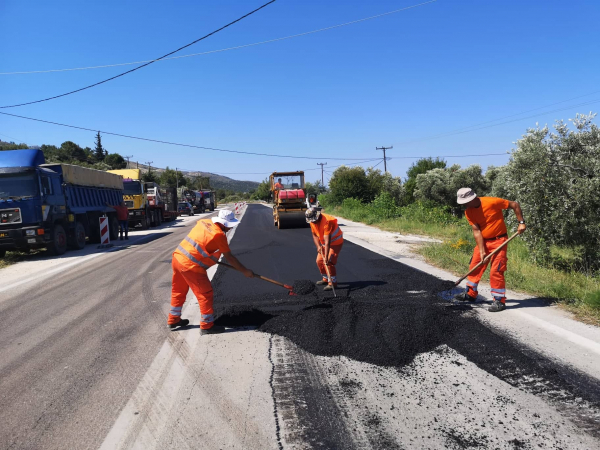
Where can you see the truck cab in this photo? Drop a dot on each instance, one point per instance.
(27, 200)
(52, 205)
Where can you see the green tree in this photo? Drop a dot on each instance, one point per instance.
(263, 191)
(440, 185)
(419, 167)
(555, 176)
(349, 182)
(99, 151)
(150, 176)
(69, 151)
(115, 161)
(172, 178)
(12, 146)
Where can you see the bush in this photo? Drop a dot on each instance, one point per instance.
(384, 207)
(440, 185)
(429, 212)
(423, 165)
(556, 178)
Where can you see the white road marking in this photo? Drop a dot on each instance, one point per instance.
(561, 332)
(156, 394)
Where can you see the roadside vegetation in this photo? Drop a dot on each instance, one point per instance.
(554, 175)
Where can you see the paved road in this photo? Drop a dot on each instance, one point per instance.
(86, 359)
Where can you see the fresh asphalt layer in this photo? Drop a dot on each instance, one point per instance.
(386, 364)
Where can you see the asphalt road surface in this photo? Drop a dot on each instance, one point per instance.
(87, 360)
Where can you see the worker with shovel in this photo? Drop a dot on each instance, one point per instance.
(485, 216)
(201, 249)
(328, 239)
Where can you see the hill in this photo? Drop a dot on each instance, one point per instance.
(223, 182)
(216, 181)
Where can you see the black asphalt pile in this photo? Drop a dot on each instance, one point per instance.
(443, 285)
(303, 287)
(242, 316)
(388, 333)
(386, 314)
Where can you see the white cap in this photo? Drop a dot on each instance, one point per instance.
(226, 218)
(465, 195)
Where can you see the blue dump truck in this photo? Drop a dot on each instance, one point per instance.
(57, 206)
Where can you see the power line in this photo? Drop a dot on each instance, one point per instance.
(322, 164)
(384, 159)
(143, 65)
(224, 49)
(173, 143)
(139, 138)
(470, 128)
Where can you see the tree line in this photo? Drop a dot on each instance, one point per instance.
(553, 173)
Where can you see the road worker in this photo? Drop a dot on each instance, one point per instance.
(200, 250)
(311, 201)
(123, 218)
(278, 186)
(328, 239)
(485, 216)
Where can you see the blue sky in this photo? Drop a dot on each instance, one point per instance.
(396, 80)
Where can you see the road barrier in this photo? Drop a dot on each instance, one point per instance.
(104, 233)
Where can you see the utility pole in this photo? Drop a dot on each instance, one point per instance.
(322, 179)
(177, 180)
(127, 158)
(384, 158)
(149, 166)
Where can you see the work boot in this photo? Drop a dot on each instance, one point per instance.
(126, 237)
(215, 329)
(330, 287)
(182, 323)
(465, 296)
(497, 306)
(322, 282)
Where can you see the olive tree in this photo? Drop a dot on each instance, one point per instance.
(440, 185)
(555, 175)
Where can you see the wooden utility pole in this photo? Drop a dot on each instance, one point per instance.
(322, 179)
(149, 166)
(384, 158)
(127, 158)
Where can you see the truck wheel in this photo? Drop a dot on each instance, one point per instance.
(113, 228)
(159, 218)
(146, 221)
(58, 246)
(77, 240)
(212, 206)
(2, 253)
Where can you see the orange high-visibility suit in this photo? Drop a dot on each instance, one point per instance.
(490, 219)
(200, 249)
(328, 226)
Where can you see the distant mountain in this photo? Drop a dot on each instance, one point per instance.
(223, 182)
(216, 181)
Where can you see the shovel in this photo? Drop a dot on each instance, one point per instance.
(287, 286)
(487, 258)
(328, 273)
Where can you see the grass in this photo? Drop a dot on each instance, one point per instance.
(574, 291)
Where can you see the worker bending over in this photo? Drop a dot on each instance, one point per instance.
(328, 239)
(201, 249)
(489, 230)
